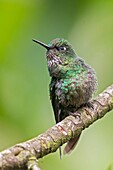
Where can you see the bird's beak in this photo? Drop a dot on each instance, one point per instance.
(42, 44)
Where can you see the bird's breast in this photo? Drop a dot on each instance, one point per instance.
(75, 91)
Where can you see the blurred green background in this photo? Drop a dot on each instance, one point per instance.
(25, 109)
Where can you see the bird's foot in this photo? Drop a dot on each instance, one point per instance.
(75, 114)
(89, 105)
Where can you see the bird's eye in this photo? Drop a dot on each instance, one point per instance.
(61, 49)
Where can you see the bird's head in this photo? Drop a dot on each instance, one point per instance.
(59, 54)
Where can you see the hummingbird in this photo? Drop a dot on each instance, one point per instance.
(73, 82)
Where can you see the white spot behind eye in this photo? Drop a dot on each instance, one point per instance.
(62, 49)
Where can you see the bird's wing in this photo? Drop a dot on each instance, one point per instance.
(55, 104)
(54, 100)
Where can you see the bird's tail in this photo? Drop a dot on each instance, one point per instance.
(71, 144)
(60, 152)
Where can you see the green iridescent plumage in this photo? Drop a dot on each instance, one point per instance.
(73, 82)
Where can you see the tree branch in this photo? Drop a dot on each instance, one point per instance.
(24, 155)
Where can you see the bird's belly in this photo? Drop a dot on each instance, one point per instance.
(73, 93)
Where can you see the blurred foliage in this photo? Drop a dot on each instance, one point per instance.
(25, 109)
(110, 167)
